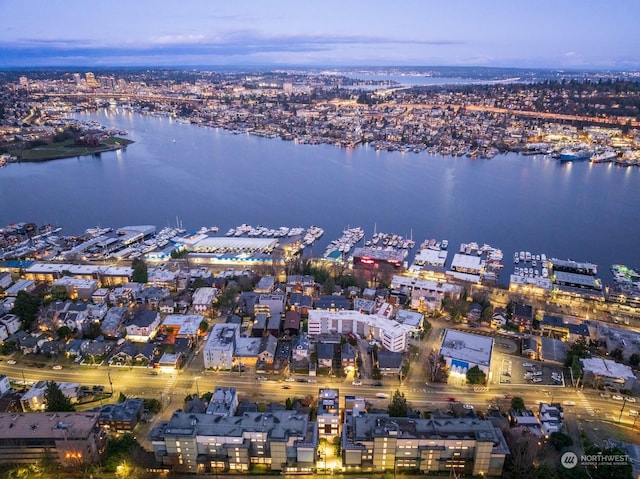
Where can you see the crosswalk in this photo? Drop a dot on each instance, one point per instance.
(585, 403)
(169, 386)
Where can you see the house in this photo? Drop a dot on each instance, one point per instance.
(11, 322)
(363, 305)
(167, 306)
(76, 347)
(347, 355)
(300, 348)
(475, 312)
(247, 302)
(97, 351)
(389, 362)
(143, 326)
(260, 325)
(273, 326)
(265, 285)
(304, 284)
(268, 347)
(530, 347)
(499, 318)
(522, 316)
(300, 302)
(121, 417)
(325, 354)
(291, 323)
(113, 323)
(203, 299)
(332, 303)
(5, 279)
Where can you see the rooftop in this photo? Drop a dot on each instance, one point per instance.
(467, 347)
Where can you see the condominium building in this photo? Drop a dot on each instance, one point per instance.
(200, 443)
(69, 438)
(466, 446)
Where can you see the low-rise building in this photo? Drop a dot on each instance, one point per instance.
(204, 443)
(69, 438)
(468, 446)
(462, 351)
(219, 350)
(203, 299)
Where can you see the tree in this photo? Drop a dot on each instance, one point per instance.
(203, 327)
(523, 447)
(329, 286)
(398, 405)
(476, 376)
(64, 332)
(634, 359)
(59, 293)
(517, 403)
(140, 273)
(56, 401)
(560, 440)
(26, 307)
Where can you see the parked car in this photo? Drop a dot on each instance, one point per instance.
(290, 379)
(357, 383)
(467, 406)
(57, 366)
(630, 399)
(527, 365)
(262, 378)
(11, 361)
(617, 397)
(378, 384)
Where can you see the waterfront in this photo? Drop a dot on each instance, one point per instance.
(210, 177)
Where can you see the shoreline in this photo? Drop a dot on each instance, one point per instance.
(58, 153)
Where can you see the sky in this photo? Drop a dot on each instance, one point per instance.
(569, 34)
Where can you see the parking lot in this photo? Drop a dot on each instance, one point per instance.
(517, 370)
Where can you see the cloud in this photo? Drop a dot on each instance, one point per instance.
(237, 43)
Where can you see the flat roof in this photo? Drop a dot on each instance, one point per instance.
(212, 244)
(576, 278)
(431, 256)
(385, 255)
(188, 324)
(472, 348)
(59, 425)
(607, 368)
(466, 261)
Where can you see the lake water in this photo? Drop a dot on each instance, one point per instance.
(209, 177)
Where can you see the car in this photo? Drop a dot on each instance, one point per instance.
(537, 373)
(302, 380)
(605, 395)
(286, 386)
(527, 365)
(536, 380)
(630, 399)
(617, 397)
(382, 395)
(290, 379)
(467, 406)
(451, 399)
(357, 383)
(11, 361)
(57, 367)
(378, 384)
(262, 378)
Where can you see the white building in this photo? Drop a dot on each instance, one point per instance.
(390, 333)
(203, 299)
(220, 347)
(462, 351)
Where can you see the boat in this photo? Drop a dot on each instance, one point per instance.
(604, 156)
(444, 244)
(575, 154)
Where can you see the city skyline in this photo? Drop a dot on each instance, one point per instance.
(571, 34)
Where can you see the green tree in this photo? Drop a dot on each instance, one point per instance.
(140, 273)
(59, 293)
(203, 327)
(517, 403)
(64, 332)
(56, 401)
(329, 286)
(476, 376)
(153, 405)
(26, 307)
(560, 440)
(634, 359)
(199, 283)
(398, 405)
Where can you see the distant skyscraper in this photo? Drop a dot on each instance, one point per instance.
(91, 80)
(77, 78)
(24, 81)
